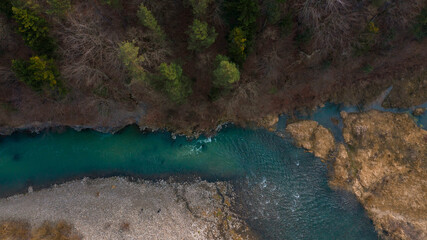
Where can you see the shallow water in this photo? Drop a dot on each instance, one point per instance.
(282, 190)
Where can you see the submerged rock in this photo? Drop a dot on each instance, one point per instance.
(419, 111)
(313, 137)
(383, 161)
(115, 208)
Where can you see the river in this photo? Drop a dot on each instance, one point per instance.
(282, 190)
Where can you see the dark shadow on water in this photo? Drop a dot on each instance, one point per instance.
(16, 157)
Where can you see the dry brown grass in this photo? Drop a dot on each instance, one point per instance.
(88, 45)
(334, 23)
(55, 231)
(14, 230)
(20, 230)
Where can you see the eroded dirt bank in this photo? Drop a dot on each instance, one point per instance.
(115, 208)
(383, 161)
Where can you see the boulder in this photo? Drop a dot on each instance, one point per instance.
(313, 137)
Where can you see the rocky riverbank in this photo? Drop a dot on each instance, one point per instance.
(115, 208)
(383, 161)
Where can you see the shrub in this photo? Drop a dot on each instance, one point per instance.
(58, 7)
(303, 36)
(226, 72)
(420, 26)
(147, 19)
(237, 45)
(175, 84)
(242, 16)
(367, 68)
(199, 7)
(372, 28)
(6, 8)
(200, 35)
(367, 39)
(286, 24)
(34, 30)
(271, 9)
(243, 13)
(113, 3)
(249, 11)
(37, 73)
(378, 3)
(129, 54)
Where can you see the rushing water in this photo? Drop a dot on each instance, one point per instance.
(282, 190)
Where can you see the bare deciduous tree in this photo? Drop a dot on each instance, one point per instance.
(334, 23)
(89, 47)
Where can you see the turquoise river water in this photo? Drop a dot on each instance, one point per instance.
(282, 190)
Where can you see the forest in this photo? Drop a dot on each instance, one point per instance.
(190, 65)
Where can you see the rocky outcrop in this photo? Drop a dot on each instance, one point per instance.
(383, 161)
(116, 208)
(313, 137)
(269, 122)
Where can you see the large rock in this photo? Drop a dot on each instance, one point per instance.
(313, 137)
(269, 122)
(384, 163)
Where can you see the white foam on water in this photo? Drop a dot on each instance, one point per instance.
(207, 140)
(263, 183)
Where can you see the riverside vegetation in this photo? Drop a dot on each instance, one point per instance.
(189, 65)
